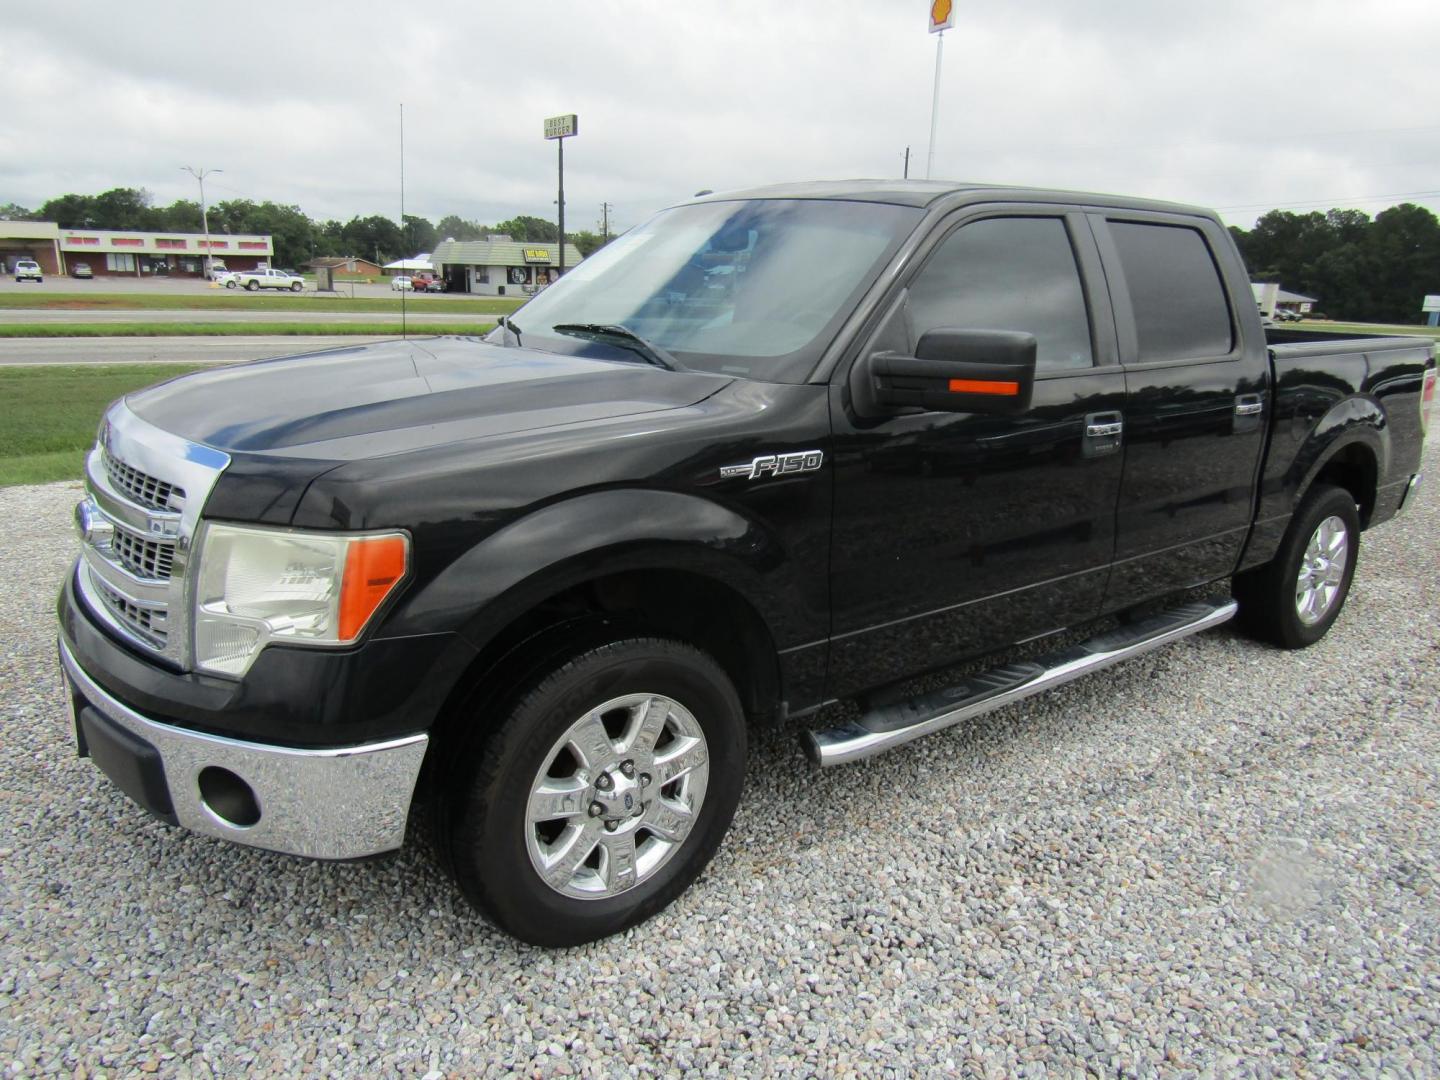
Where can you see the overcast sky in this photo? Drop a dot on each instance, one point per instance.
(1233, 104)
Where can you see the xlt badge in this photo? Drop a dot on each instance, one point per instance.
(775, 465)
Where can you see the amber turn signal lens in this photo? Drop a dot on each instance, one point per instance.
(373, 567)
(985, 386)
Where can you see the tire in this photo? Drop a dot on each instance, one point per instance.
(230, 284)
(252, 286)
(668, 756)
(1293, 600)
(296, 287)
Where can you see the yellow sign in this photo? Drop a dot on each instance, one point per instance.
(537, 255)
(942, 15)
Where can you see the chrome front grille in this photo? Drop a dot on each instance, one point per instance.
(149, 491)
(153, 559)
(149, 621)
(145, 489)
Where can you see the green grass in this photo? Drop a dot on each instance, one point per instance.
(51, 414)
(239, 300)
(249, 329)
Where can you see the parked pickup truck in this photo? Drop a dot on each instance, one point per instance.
(264, 279)
(765, 452)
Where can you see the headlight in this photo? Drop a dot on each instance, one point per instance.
(261, 585)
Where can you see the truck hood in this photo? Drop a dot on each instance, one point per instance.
(404, 395)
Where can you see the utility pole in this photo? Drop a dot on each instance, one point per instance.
(907, 163)
(200, 175)
(561, 128)
(604, 223)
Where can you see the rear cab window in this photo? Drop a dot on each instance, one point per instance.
(1180, 307)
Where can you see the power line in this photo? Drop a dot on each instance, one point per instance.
(1222, 139)
(1333, 201)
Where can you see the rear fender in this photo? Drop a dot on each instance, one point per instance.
(1356, 421)
(1356, 426)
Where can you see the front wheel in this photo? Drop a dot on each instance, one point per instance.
(601, 797)
(1293, 600)
(296, 287)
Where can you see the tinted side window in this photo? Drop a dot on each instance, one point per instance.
(1008, 274)
(1180, 306)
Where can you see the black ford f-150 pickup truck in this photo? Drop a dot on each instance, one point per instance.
(768, 451)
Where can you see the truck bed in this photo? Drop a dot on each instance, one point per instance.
(1289, 343)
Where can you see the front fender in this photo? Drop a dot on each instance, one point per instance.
(602, 532)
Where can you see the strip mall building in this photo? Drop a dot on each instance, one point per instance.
(129, 254)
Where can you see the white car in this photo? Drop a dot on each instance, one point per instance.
(28, 269)
(266, 279)
(401, 283)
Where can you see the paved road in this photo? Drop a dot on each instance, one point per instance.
(166, 350)
(300, 313)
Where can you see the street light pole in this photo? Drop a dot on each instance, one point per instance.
(200, 175)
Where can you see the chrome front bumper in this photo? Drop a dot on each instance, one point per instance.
(340, 803)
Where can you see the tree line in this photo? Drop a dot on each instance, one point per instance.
(297, 237)
(1358, 269)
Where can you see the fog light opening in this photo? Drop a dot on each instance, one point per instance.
(228, 797)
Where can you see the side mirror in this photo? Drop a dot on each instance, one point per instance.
(983, 371)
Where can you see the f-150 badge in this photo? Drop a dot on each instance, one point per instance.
(775, 465)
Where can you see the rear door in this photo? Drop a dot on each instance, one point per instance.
(1195, 398)
(956, 533)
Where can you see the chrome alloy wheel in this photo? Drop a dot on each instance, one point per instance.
(1322, 570)
(617, 796)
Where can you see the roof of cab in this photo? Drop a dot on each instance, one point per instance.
(923, 193)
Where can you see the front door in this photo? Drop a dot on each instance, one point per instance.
(957, 533)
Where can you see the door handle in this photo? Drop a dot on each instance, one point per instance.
(1102, 434)
(1249, 405)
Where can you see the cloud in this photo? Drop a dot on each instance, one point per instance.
(1232, 104)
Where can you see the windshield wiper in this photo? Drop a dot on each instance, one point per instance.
(508, 324)
(624, 338)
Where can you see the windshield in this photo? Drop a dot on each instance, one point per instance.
(754, 288)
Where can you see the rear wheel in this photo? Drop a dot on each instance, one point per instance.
(230, 284)
(601, 797)
(251, 286)
(1293, 600)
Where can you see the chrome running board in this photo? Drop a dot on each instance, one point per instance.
(888, 726)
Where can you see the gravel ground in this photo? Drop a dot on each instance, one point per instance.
(1219, 859)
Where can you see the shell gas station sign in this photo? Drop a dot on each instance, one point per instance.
(942, 15)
